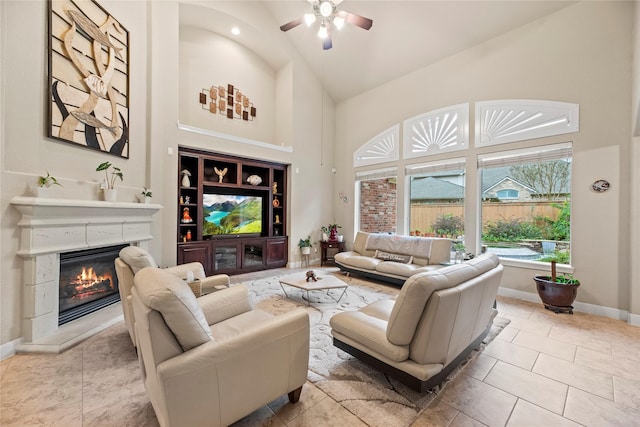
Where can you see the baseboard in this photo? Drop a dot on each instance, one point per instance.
(583, 307)
(9, 349)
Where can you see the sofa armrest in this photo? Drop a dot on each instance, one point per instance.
(210, 283)
(224, 304)
(212, 383)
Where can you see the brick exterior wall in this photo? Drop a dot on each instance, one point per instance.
(378, 199)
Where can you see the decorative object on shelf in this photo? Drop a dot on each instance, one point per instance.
(229, 102)
(325, 233)
(275, 188)
(557, 292)
(88, 106)
(254, 180)
(186, 182)
(187, 199)
(311, 276)
(188, 235)
(146, 195)
(277, 219)
(220, 172)
(108, 187)
(186, 217)
(276, 202)
(600, 186)
(181, 200)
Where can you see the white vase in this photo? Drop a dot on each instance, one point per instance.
(45, 192)
(186, 182)
(110, 194)
(147, 199)
(325, 237)
(306, 250)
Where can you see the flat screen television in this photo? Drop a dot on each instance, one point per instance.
(225, 214)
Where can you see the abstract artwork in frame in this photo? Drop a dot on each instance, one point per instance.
(88, 77)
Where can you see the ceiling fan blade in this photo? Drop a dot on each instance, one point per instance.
(292, 24)
(357, 20)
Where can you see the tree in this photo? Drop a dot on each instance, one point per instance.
(550, 180)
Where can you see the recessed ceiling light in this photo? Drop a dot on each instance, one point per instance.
(235, 31)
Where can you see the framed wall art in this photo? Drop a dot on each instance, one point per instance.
(88, 77)
(231, 102)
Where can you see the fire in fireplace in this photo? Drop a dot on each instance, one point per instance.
(88, 282)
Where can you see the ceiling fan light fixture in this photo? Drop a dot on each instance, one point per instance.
(309, 18)
(326, 9)
(322, 32)
(338, 22)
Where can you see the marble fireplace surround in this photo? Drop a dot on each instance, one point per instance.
(49, 227)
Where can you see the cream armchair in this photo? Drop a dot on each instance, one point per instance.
(212, 360)
(133, 259)
(438, 318)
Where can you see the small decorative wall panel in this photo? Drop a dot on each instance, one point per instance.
(502, 121)
(436, 132)
(382, 148)
(88, 77)
(228, 101)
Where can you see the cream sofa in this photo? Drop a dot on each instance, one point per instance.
(438, 318)
(212, 360)
(393, 258)
(133, 259)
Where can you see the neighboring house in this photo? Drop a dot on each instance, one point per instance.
(497, 184)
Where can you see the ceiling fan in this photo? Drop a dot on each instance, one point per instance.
(326, 11)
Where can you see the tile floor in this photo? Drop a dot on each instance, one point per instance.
(544, 369)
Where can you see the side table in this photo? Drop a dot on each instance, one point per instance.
(330, 244)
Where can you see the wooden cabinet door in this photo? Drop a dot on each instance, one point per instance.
(277, 252)
(196, 252)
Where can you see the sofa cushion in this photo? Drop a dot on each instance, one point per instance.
(388, 256)
(136, 258)
(397, 268)
(173, 299)
(353, 259)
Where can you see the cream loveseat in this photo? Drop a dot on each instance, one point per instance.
(438, 318)
(212, 360)
(393, 258)
(133, 259)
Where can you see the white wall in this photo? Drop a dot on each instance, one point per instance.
(580, 55)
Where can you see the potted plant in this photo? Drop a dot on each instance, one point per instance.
(44, 184)
(325, 233)
(557, 292)
(333, 231)
(305, 245)
(146, 195)
(110, 181)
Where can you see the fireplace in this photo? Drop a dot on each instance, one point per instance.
(88, 282)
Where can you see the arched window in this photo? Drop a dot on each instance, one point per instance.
(507, 194)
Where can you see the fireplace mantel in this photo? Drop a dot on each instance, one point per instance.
(50, 227)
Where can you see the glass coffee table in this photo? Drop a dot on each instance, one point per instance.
(324, 283)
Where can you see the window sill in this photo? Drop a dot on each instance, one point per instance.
(535, 265)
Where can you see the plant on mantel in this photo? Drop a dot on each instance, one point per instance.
(110, 181)
(47, 181)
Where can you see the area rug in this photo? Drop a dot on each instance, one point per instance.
(367, 393)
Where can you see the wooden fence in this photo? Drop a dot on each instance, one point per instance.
(422, 216)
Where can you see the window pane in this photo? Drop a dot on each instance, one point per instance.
(526, 210)
(437, 204)
(378, 199)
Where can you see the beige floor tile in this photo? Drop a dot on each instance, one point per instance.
(627, 392)
(480, 366)
(508, 334)
(480, 401)
(327, 413)
(287, 411)
(526, 414)
(580, 337)
(511, 353)
(4, 366)
(534, 388)
(533, 326)
(617, 366)
(545, 345)
(437, 414)
(591, 410)
(462, 420)
(578, 376)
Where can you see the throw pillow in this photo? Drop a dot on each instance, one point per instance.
(386, 256)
